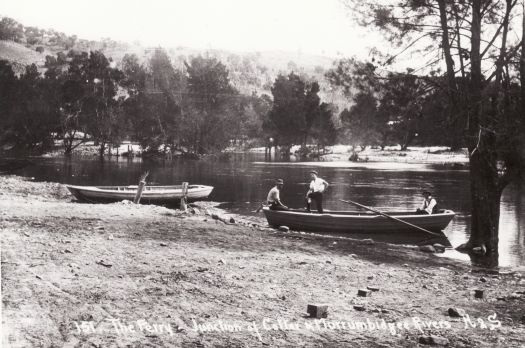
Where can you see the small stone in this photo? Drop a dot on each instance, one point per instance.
(373, 288)
(163, 244)
(478, 293)
(405, 265)
(328, 261)
(364, 293)
(215, 216)
(427, 248)
(360, 308)
(221, 261)
(317, 311)
(110, 237)
(284, 228)
(456, 312)
(99, 228)
(439, 247)
(479, 250)
(370, 277)
(67, 251)
(483, 279)
(232, 220)
(368, 241)
(433, 340)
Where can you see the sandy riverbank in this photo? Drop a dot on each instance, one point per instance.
(82, 275)
(336, 153)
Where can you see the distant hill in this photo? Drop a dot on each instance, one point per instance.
(249, 71)
(20, 56)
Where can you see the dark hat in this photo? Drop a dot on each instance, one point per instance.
(279, 182)
(426, 192)
(314, 172)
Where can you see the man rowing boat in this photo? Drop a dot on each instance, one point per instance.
(429, 204)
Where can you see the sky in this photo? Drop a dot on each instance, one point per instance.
(322, 27)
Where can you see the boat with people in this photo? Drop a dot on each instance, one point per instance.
(356, 222)
(150, 194)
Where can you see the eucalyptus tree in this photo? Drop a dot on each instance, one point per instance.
(468, 43)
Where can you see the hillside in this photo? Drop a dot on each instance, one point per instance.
(20, 56)
(249, 71)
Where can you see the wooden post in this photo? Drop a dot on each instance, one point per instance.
(183, 200)
(142, 183)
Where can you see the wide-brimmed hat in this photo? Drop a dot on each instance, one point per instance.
(426, 192)
(314, 172)
(279, 182)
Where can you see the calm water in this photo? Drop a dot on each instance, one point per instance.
(243, 183)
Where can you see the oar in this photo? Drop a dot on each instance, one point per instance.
(388, 216)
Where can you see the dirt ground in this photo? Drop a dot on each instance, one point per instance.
(119, 275)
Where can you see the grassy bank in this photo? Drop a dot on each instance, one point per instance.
(84, 275)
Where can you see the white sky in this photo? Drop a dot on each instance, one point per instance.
(310, 26)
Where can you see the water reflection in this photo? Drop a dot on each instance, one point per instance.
(244, 181)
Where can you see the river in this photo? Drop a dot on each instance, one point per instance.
(242, 182)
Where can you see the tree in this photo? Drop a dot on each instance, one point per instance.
(484, 107)
(206, 121)
(69, 89)
(8, 91)
(11, 30)
(295, 108)
(324, 130)
(100, 104)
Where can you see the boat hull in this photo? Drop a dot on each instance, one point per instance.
(355, 222)
(150, 194)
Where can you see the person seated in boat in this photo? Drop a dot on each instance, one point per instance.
(274, 199)
(429, 204)
(317, 187)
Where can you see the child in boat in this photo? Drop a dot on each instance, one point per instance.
(274, 199)
(429, 204)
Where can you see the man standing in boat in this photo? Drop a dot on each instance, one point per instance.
(317, 187)
(429, 204)
(274, 199)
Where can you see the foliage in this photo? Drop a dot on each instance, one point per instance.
(483, 82)
(296, 109)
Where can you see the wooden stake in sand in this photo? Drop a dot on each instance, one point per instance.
(142, 183)
(183, 200)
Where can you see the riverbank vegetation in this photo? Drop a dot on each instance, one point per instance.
(202, 104)
(474, 53)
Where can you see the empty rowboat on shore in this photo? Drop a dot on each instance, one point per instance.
(150, 194)
(356, 222)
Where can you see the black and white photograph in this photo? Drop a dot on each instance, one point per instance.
(278, 173)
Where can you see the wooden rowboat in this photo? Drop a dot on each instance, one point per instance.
(356, 222)
(150, 194)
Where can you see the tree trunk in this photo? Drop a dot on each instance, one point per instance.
(522, 62)
(101, 149)
(485, 191)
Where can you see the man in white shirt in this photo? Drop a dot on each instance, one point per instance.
(317, 187)
(429, 204)
(274, 199)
